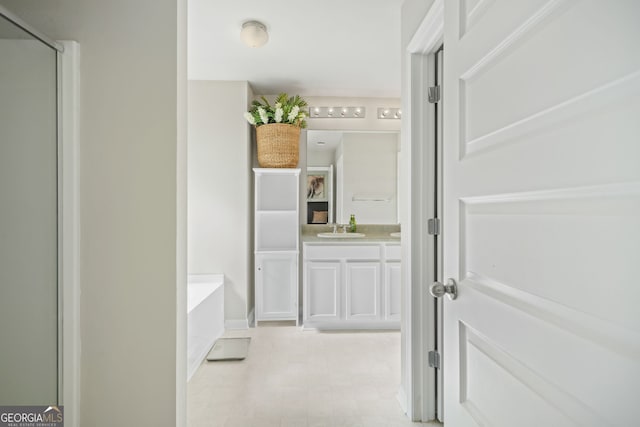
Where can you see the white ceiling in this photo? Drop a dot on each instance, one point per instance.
(329, 140)
(321, 48)
(323, 140)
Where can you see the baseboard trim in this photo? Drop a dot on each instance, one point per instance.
(241, 323)
(351, 326)
(236, 324)
(401, 397)
(251, 318)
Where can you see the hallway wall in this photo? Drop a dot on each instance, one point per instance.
(220, 198)
(131, 178)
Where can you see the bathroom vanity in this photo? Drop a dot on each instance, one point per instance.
(351, 283)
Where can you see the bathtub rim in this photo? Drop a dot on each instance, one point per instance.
(214, 280)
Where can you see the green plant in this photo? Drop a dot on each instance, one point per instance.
(288, 110)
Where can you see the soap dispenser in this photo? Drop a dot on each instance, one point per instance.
(352, 224)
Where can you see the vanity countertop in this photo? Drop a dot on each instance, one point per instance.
(373, 233)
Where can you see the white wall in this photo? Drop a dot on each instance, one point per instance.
(320, 158)
(130, 140)
(220, 190)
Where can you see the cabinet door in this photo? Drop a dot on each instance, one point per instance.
(362, 290)
(322, 291)
(392, 290)
(276, 286)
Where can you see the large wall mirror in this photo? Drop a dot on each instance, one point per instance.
(352, 172)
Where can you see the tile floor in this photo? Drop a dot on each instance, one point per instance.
(295, 378)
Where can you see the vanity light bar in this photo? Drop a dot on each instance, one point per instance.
(337, 112)
(389, 113)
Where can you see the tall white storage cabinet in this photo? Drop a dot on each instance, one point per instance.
(277, 231)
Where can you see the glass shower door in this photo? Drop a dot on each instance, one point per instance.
(28, 220)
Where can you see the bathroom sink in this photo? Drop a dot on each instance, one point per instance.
(340, 235)
(395, 234)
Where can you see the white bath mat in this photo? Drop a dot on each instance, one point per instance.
(229, 349)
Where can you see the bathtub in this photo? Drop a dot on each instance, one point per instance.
(205, 316)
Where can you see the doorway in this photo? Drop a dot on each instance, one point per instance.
(423, 211)
(434, 228)
(29, 218)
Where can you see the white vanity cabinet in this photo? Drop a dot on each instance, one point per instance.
(276, 288)
(351, 285)
(362, 291)
(321, 293)
(276, 244)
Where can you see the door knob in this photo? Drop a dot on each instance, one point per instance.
(437, 289)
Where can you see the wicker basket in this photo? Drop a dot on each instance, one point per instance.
(278, 145)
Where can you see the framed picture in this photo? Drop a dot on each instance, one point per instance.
(318, 186)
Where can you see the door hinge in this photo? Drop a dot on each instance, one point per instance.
(433, 94)
(433, 226)
(434, 359)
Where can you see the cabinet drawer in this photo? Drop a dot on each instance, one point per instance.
(335, 252)
(392, 252)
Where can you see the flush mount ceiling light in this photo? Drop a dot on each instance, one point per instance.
(254, 34)
(337, 112)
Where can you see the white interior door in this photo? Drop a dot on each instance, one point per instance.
(542, 212)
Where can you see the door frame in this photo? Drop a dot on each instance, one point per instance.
(418, 251)
(69, 231)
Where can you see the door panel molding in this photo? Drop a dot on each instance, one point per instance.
(609, 191)
(608, 335)
(605, 96)
(566, 367)
(471, 13)
(500, 55)
(543, 395)
(550, 221)
(526, 29)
